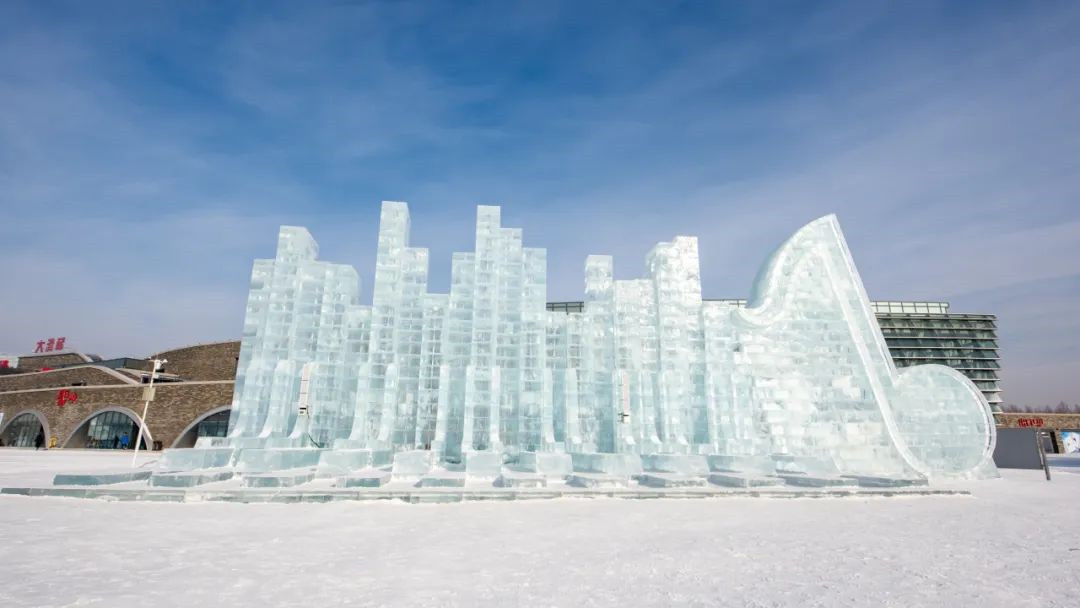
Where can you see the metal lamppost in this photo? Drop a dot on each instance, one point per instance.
(148, 394)
(1039, 435)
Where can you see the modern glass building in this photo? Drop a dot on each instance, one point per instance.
(926, 332)
(922, 332)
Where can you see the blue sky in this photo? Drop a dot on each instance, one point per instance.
(149, 150)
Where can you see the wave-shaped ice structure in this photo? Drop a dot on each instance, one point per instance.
(801, 377)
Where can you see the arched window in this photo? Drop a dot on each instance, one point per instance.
(22, 431)
(214, 425)
(110, 430)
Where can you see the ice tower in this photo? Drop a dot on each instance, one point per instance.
(647, 378)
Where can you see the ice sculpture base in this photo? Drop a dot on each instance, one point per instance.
(741, 464)
(597, 480)
(874, 481)
(278, 479)
(804, 465)
(264, 460)
(191, 478)
(413, 464)
(100, 479)
(483, 465)
(336, 462)
(815, 481)
(521, 480)
(548, 464)
(739, 480)
(682, 464)
(583, 485)
(670, 480)
(371, 478)
(442, 479)
(609, 464)
(189, 459)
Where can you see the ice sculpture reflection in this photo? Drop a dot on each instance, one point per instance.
(648, 376)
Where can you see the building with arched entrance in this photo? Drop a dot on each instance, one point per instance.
(214, 423)
(109, 428)
(78, 400)
(23, 429)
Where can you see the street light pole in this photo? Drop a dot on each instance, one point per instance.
(146, 408)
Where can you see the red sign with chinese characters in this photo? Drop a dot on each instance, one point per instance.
(50, 344)
(1026, 422)
(65, 396)
(4, 364)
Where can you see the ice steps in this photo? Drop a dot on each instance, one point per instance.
(442, 479)
(670, 480)
(815, 481)
(372, 478)
(742, 480)
(597, 480)
(189, 479)
(278, 479)
(521, 480)
(102, 478)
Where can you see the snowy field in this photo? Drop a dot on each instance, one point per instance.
(1015, 542)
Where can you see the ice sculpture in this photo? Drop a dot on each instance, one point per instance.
(800, 379)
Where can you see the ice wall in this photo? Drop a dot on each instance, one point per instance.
(300, 312)
(802, 373)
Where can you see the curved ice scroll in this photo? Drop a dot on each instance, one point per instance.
(820, 375)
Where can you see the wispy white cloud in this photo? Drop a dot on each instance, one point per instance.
(147, 157)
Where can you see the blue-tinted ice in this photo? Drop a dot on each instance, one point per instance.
(800, 379)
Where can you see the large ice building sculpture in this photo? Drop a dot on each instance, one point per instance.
(648, 377)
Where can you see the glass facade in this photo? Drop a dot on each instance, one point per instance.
(965, 342)
(216, 425)
(106, 431)
(919, 333)
(22, 431)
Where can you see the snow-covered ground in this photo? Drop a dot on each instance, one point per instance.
(1015, 542)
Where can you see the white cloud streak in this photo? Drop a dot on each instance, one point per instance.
(130, 212)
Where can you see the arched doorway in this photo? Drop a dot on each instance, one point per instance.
(214, 423)
(23, 429)
(106, 430)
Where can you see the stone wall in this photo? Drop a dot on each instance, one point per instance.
(175, 407)
(1054, 423)
(89, 375)
(36, 362)
(1049, 421)
(215, 361)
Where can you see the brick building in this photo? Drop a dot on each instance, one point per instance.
(1057, 426)
(74, 399)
